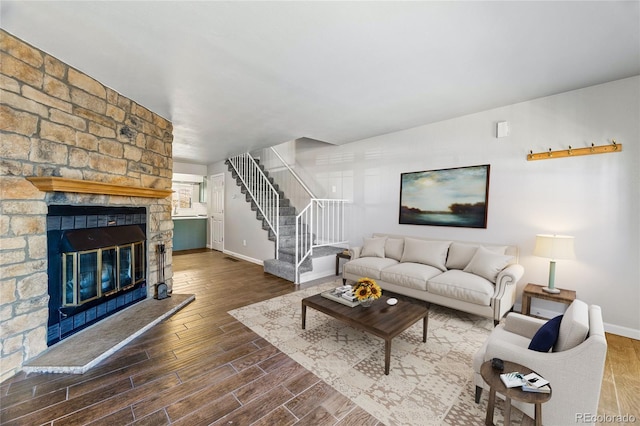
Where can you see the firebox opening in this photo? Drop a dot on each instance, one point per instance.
(97, 264)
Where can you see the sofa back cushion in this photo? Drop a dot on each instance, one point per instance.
(487, 264)
(373, 247)
(393, 248)
(460, 254)
(433, 253)
(508, 250)
(574, 327)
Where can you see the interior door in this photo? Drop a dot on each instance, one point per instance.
(216, 221)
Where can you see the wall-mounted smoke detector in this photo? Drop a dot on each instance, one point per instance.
(502, 129)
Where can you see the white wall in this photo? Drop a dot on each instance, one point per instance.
(188, 168)
(594, 198)
(240, 223)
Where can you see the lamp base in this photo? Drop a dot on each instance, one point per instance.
(550, 290)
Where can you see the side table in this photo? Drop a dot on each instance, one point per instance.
(341, 255)
(492, 377)
(535, 290)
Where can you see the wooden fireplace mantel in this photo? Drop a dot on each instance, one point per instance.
(59, 184)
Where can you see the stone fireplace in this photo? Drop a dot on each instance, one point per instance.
(70, 141)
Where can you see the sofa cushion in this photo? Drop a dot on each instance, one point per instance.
(367, 266)
(393, 248)
(373, 247)
(546, 336)
(574, 326)
(460, 254)
(463, 286)
(410, 275)
(487, 264)
(433, 253)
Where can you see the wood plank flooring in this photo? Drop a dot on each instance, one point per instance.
(203, 367)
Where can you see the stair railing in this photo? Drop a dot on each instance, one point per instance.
(292, 172)
(319, 224)
(262, 192)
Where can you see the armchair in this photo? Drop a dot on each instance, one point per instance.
(574, 367)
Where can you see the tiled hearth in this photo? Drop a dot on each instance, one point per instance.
(80, 352)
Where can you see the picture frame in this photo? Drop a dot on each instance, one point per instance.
(456, 197)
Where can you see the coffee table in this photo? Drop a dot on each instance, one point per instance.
(380, 319)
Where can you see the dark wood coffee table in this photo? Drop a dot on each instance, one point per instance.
(380, 319)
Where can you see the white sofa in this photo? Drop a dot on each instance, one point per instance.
(471, 277)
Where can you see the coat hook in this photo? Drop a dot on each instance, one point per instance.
(571, 152)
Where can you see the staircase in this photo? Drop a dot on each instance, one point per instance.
(296, 245)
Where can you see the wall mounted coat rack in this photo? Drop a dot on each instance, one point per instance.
(572, 152)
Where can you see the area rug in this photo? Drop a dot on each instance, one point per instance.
(429, 383)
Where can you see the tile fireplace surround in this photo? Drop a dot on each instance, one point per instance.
(67, 140)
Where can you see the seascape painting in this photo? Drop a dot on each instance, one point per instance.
(445, 197)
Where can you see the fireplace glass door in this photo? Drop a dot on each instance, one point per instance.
(125, 265)
(139, 256)
(90, 274)
(88, 270)
(109, 283)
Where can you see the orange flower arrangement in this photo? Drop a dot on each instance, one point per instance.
(367, 288)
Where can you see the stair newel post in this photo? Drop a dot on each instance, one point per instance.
(296, 255)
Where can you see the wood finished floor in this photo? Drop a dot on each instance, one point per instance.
(203, 367)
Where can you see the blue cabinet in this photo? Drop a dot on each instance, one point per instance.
(189, 233)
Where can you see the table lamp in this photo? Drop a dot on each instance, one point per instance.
(553, 247)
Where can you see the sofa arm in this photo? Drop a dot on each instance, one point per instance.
(504, 295)
(355, 252)
(510, 274)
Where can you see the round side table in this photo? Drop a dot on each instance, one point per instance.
(492, 377)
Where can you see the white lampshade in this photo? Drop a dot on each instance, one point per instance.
(554, 247)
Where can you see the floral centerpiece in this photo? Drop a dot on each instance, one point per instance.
(366, 291)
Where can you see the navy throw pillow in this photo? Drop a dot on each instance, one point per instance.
(546, 336)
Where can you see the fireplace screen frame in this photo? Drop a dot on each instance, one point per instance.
(72, 283)
(87, 228)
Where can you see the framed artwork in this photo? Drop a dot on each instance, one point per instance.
(445, 197)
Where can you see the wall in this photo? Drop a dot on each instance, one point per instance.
(240, 224)
(189, 168)
(57, 121)
(594, 198)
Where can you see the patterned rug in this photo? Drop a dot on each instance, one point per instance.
(429, 383)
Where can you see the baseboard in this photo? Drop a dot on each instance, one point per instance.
(538, 312)
(609, 328)
(316, 275)
(622, 331)
(243, 257)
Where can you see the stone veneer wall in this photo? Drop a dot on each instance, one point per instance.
(58, 121)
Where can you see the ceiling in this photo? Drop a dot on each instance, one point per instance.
(236, 76)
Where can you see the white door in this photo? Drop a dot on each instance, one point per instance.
(217, 212)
